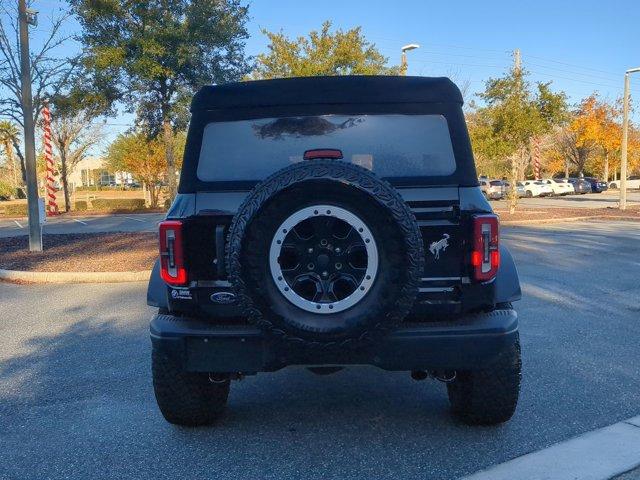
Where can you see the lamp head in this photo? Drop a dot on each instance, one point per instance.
(411, 46)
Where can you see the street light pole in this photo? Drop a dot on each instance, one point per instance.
(625, 134)
(35, 230)
(403, 58)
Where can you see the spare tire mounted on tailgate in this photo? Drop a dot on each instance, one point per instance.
(324, 253)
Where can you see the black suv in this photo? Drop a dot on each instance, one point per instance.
(329, 222)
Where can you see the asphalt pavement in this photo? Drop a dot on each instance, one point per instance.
(147, 222)
(135, 222)
(76, 398)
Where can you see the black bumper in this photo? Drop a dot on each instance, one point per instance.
(467, 343)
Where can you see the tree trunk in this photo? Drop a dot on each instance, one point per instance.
(513, 192)
(65, 183)
(605, 174)
(566, 169)
(23, 169)
(168, 145)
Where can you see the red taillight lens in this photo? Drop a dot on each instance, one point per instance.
(172, 266)
(485, 256)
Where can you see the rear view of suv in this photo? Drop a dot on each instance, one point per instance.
(331, 222)
(493, 189)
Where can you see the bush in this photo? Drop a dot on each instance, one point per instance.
(112, 204)
(6, 190)
(81, 206)
(15, 210)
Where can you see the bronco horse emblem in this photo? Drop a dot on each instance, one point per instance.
(441, 244)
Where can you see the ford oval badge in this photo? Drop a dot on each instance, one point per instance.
(224, 298)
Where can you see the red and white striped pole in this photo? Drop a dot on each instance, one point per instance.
(52, 206)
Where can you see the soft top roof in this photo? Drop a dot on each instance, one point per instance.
(348, 89)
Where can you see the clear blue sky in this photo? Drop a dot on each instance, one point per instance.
(581, 46)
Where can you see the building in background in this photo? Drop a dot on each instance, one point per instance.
(92, 171)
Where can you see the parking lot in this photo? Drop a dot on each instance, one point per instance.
(145, 222)
(76, 398)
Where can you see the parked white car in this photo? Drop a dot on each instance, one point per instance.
(536, 188)
(632, 182)
(559, 186)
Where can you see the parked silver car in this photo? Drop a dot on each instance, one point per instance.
(492, 189)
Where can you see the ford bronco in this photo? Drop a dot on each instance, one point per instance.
(330, 222)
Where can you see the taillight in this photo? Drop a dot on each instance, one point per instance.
(172, 266)
(485, 256)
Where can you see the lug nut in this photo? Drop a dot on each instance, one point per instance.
(323, 242)
(310, 250)
(338, 250)
(338, 266)
(311, 266)
(325, 273)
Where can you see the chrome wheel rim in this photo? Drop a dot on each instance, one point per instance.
(323, 259)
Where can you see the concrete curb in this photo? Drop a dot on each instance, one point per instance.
(597, 455)
(567, 219)
(73, 277)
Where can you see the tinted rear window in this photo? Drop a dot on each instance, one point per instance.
(389, 145)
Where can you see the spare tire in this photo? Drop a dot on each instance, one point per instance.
(324, 253)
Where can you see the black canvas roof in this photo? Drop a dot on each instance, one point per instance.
(352, 89)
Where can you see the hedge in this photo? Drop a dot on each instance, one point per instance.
(117, 204)
(81, 205)
(14, 210)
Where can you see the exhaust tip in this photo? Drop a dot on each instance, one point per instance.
(419, 375)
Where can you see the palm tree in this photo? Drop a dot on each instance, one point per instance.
(9, 137)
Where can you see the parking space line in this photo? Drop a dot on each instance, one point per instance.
(18, 223)
(79, 221)
(596, 455)
(136, 219)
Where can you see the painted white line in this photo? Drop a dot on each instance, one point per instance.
(18, 223)
(79, 221)
(596, 455)
(136, 219)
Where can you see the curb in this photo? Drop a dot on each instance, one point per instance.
(73, 277)
(596, 455)
(568, 219)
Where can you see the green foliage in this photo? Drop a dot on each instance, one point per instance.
(512, 114)
(6, 189)
(154, 55)
(117, 204)
(322, 53)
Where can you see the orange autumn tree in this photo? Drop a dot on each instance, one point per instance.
(599, 123)
(144, 158)
(590, 141)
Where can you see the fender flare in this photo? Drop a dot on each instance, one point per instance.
(507, 286)
(157, 289)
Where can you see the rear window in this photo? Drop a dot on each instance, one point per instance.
(497, 183)
(389, 145)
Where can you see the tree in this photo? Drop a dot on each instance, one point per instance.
(9, 138)
(153, 55)
(50, 73)
(511, 117)
(322, 53)
(72, 136)
(144, 158)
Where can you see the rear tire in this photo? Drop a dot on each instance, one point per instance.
(187, 398)
(528, 194)
(488, 396)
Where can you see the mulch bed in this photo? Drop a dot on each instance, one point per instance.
(632, 213)
(82, 252)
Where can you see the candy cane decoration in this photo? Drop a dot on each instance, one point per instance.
(52, 206)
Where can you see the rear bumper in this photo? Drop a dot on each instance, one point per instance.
(469, 342)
